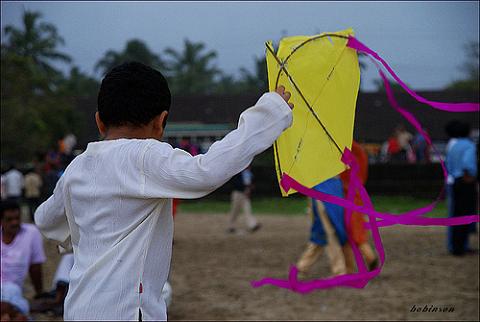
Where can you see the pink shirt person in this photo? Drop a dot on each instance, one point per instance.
(26, 249)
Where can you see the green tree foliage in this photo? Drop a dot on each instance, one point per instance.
(33, 116)
(36, 98)
(227, 84)
(471, 69)
(381, 88)
(361, 61)
(37, 40)
(78, 84)
(191, 71)
(135, 50)
(257, 81)
(363, 66)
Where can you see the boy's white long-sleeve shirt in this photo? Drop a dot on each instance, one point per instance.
(114, 202)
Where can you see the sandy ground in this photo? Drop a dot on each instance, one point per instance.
(211, 274)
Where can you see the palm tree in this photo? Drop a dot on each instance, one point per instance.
(79, 84)
(227, 84)
(257, 81)
(135, 50)
(37, 41)
(470, 68)
(190, 71)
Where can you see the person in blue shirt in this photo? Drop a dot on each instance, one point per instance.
(421, 148)
(461, 163)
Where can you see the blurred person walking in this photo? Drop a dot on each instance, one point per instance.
(240, 201)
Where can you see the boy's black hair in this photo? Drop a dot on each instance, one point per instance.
(132, 94)
(8, 205)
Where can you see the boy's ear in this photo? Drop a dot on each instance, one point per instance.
(101, 126)
(159, 124)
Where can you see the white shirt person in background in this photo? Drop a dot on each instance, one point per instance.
(114, 201)
(14, 182)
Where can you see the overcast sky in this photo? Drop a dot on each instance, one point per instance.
(422, 41)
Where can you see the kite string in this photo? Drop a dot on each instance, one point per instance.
(355, 183)
(450, 107)
(351, 192)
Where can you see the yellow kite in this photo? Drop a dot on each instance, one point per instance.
(323, 75)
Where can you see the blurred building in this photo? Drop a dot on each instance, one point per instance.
(202, 119)
(202, 116)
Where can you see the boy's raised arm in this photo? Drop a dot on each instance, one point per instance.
(173, 173)
(50, 217)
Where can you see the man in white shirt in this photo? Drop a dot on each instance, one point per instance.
(13, 180)
(114, 201)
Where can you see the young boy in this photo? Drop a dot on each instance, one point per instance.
(114, 201)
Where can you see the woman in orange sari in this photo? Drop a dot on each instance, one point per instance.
(357, 229)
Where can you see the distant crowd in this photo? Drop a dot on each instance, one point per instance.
(35, 183)
(193, 147)
(404, 147)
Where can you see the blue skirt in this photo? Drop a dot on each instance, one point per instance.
(332, 186)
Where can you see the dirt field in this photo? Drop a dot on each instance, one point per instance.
(211, 271)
